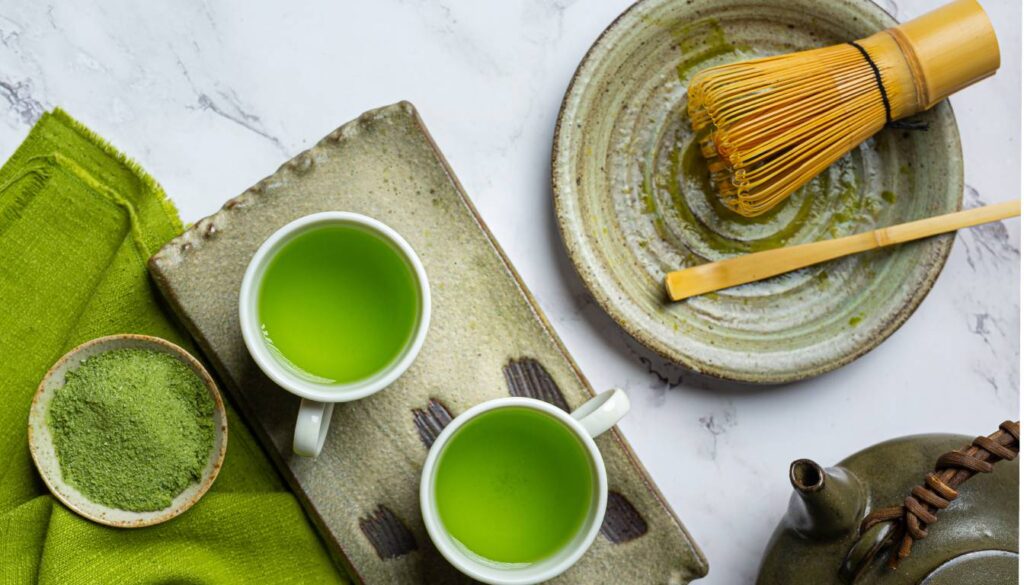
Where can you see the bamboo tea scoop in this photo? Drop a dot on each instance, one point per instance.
(739, 270)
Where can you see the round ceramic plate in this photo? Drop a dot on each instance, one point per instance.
(633, 199)
(41, 442)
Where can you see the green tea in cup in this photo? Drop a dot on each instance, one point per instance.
(333, 307)
(514, 485)
(514, 490)
(338, 303)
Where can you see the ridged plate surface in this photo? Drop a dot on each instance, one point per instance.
(633, 199)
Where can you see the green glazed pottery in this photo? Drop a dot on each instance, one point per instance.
(973, 542)
(633, 199)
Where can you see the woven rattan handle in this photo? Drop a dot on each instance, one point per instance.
(908, 522)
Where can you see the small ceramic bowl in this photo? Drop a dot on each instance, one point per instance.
(41, 442)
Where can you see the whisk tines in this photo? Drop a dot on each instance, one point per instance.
(767, 126)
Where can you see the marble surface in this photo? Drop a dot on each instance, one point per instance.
(210, 96)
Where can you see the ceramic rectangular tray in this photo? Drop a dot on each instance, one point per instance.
(487, 339)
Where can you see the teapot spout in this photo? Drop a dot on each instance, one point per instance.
(826, 503)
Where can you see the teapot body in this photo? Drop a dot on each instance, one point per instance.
(974, 541)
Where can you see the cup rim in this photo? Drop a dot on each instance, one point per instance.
(534, 573)
(249, 320)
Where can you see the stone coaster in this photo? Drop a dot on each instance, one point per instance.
(487, 339)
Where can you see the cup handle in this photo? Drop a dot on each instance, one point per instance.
(311, 427)
(601, 412)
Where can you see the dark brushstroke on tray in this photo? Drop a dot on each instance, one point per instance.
(430, 421)
(526, 377)
(387, 533)
(622, 523)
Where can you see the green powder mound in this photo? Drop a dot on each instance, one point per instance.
(132, 428)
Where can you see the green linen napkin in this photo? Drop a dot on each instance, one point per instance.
(77, 224)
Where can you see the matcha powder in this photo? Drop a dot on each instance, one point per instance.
(132, 428)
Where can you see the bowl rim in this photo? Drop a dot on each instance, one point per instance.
(561, 144)
(172, 511)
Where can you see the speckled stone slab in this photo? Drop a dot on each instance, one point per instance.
(487, 339)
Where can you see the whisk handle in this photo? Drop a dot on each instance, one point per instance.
(739, 270)
(948, 49)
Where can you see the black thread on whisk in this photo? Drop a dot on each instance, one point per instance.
(902, 124)
(878, 80)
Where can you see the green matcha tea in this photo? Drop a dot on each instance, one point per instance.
(338, 304)
(132, 428)
(514, 485)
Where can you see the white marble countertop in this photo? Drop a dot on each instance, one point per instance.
(212, 95)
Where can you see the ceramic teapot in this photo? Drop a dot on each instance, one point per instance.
(974, 540)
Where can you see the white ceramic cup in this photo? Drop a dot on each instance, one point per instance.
(596, 416)
(318, 399)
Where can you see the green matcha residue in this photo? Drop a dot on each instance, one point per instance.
(132, 428)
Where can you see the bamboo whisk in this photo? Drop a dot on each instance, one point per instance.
(767, 126)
